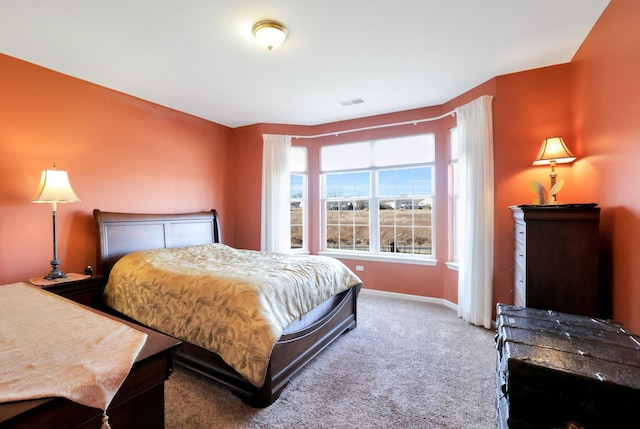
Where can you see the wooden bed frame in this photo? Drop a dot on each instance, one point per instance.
(122, 233)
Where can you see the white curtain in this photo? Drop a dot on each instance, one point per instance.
(476, 228)
(276, 223)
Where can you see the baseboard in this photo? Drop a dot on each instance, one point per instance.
(410, 297)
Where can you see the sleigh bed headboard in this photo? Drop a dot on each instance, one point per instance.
(122, 233)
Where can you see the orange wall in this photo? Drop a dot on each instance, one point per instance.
(606, 102)
(122, 154)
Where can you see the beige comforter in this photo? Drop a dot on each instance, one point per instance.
(233, 302)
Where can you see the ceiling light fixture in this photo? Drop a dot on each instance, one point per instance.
(269, 34)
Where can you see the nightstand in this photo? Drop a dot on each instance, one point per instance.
(87, 291)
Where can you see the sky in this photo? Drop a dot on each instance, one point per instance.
(401, 182)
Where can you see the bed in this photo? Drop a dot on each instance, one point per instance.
(123, 236)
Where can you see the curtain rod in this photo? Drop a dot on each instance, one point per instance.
(373, 127)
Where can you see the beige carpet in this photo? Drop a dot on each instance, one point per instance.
(408, 364)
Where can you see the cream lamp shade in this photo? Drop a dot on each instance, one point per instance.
(269, 34)
(54, 187)
(553, 149)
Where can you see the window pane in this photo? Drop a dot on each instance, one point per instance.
(405, 181)
(387, 212)
(297, 217)
(404, 240)
(297, 230)
(405, 226)
(344, 185)
(333, 237)
(423, 215)
(296, 237)
(361, 238)
(296, 186)
(387, 239)
(347, 225)
(422, 241)
(405, 216)
(346, 237)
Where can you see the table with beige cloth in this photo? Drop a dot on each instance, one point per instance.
(52, 347)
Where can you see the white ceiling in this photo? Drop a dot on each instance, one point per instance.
(199, 56)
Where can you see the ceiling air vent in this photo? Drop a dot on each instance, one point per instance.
(351, 102)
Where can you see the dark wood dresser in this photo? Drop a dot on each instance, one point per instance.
(556, 252)
(556, 370)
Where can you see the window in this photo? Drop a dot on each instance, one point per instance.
(377, 197)
(347, 210)
(405, 210)
(454, 194)
(298, 197)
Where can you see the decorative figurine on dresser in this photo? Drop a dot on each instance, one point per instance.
(556, 258)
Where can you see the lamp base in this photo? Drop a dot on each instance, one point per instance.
(55, 271)
(55, 275)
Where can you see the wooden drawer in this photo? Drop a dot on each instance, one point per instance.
(87, 292)
(520, 254)
(520, 232)
(519, 286)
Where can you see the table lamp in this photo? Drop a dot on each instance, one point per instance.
(54, 188)
(553, 151)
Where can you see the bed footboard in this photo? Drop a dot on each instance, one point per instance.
(290, 354)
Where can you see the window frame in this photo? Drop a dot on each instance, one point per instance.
(454, 198)
(374, 199)
(303, 200)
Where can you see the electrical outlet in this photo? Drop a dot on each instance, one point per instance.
(359, 268)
